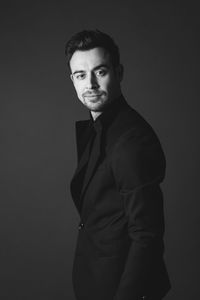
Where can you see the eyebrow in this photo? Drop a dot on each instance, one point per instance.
(96, 68)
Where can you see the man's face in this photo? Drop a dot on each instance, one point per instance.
(95, 80)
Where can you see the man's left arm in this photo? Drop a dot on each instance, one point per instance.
(139, 167)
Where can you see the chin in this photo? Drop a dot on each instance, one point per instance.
(97, 107)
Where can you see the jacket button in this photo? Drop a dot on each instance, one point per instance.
(81, 225)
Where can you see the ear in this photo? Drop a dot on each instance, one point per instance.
(72, 78)
(120, 72)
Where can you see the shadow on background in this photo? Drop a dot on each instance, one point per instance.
(38, 107)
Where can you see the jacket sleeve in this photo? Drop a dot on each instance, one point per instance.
(139, 167)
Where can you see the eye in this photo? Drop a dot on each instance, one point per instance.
(101, 73)
(79, 76)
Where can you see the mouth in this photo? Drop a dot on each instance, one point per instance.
(92, 95)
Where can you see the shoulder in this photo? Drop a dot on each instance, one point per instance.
(137, 155)
(130, 127)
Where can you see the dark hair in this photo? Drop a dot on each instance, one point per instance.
(89, 39)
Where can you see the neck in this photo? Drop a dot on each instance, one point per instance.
(95, 114)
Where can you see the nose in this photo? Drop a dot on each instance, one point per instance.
(92, 82)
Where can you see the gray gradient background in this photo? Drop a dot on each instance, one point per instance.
(38, 108)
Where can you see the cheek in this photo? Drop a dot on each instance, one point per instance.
(110, 87)
(78, 89)
(105, 85)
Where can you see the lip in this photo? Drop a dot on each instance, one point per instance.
(93, 95)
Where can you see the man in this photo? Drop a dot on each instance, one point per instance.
(119, 252)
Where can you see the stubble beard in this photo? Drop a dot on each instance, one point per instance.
(96, 105)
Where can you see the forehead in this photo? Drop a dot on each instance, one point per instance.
(89, 59)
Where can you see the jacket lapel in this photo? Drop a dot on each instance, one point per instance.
(93, 160)
(89, 161)
(83, 133)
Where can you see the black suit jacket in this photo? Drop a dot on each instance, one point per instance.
(119, 251)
